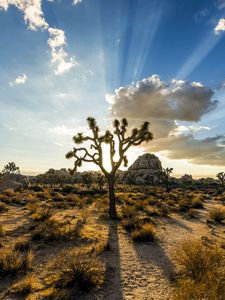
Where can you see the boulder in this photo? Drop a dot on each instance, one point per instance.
(145, 170)
(13, 181)
(10, 184)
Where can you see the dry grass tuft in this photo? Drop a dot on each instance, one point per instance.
(2, 231)
(78, 272)
(25, 286)
(3, 208)
(22, 244)
(12, 261)
(217, 214)
(203, 272)
(146, 233)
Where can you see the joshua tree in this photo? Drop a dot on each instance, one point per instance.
(11, 168)
(94, 153)
(165, 175)
(221, 178)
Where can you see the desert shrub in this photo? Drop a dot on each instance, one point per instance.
(12, 261)
(101, 204)
(153, 212)
(48, 230)
(202, 271)
(22, 244)
(42, 214)
(9, 192)
(2, 231)
(191, 213)
(52, 230)
(170, 202)
(57, 197)
(183, 205)
(152, 201)
(25, 286)
(78, 272)
(195, 259)
(43, 195)
(37, 188)
(68, 189)
(130, 224)
(146, 233)
(141, 205)
(33, 207)
(217, 214)
(128, 211)
(164, 211)
(3, 208)
(197, 203)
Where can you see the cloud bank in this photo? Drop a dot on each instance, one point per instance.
(34, 19)
(165, 103)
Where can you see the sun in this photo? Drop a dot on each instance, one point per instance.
(106, 157)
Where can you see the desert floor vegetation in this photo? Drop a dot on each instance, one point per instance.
(50, 233)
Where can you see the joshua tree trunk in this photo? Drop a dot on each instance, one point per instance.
(112, 198)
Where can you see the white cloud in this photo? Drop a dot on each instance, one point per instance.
(57, 37)
(33, 14)
(21, 79)
(220, 26)
(75, 2)
(59, 56)
(64, 64)
(34, 18)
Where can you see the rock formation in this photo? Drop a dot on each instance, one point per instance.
(145, 170)
(13, 181)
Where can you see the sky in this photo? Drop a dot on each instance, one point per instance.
(147, 60)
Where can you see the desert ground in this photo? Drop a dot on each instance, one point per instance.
(59, 243)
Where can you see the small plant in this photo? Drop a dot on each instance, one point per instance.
(197, 203)
(42, 214)
(128, 211)
(183, 205)
(130, 224)
(217, 214)
(201, 270)
(195, 259)
(22, 244)
(191, 213)
(25, 287)
(164, 211)
(12, 261)
(146, 233)
(2, 231)
(79, 272)
(3, 208)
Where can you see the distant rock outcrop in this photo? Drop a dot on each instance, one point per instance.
(145, 170)
(186, 179)
(13, 181)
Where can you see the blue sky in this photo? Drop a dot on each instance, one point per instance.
(59, 60)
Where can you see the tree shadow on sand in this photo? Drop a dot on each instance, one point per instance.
(112, 289)
(154, 254)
